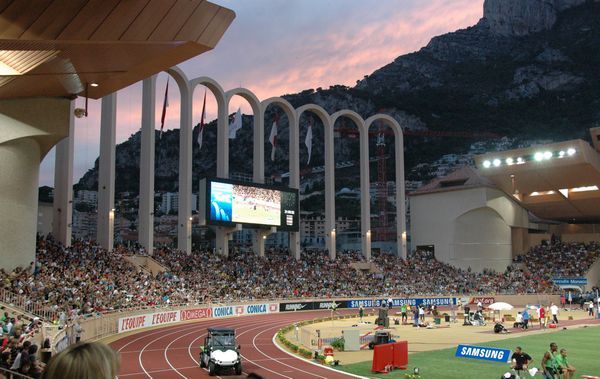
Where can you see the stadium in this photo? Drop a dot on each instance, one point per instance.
(500, 255)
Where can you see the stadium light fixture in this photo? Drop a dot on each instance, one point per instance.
(561, 153)
(571, 152)
(94, 84)
(535, 193)
(564, 192)
(547, 155)
(584, 189)
(497, 162)
(510, 161)
(487, 164)
(539, 156)
(520, 160)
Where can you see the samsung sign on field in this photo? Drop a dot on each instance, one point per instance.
(580, 281)
(408, 301)
(483, 353)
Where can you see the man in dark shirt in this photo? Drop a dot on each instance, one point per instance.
(519, 360)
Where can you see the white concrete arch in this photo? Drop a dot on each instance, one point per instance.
(329, 174)
(365, 196)
(222, 124)
(294, 155)
(400, 196)
(184, 222)
(258, 155)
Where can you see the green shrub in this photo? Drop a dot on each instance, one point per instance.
(338, 344)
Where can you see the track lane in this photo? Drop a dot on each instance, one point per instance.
(172, 352)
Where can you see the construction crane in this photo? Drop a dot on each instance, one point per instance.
(382, 231)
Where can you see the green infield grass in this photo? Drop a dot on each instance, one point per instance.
(582, 344)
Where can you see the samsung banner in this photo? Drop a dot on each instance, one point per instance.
(483, 353)
(438, 301)
(578, 281)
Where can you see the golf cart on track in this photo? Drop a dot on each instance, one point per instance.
(220, 351)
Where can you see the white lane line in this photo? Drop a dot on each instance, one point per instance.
(292, 367)
(313, 363)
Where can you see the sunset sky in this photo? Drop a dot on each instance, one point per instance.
(276, 47)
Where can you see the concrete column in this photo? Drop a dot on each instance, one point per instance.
(294, 166)
(330, 231)
(63, 185)
(106, 173)
(146, 204)
(29, 128)
(19, 179)
(184, 234)
(400, 195)
(365, 196)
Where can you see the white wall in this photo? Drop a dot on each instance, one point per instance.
(469, 227)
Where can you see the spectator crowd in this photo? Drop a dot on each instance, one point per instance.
(84, 278)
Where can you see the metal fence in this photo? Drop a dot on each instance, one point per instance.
(24, 303)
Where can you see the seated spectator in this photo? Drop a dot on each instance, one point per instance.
(88, 360)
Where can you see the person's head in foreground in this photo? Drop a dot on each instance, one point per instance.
(88, 360)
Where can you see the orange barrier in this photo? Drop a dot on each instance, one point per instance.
(389, 356)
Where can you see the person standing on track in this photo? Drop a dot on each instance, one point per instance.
(554, 312)
(404, 310)
(542, 316)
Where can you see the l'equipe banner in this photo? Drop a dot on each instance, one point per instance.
(483, 353)
(150, 319)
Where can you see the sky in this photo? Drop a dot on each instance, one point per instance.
(277, 47)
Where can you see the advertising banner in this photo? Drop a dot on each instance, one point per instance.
(484, 300)
(150, 319)
(195, 314)
(578, 281)
(224, 311)
(369, 303)
(483, 353)
(317, 305)
(297, 306)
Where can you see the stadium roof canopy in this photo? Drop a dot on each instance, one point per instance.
(53, 48)
(559, 181)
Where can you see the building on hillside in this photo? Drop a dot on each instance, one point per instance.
(87, 197)
(170, 202)
(84, 225)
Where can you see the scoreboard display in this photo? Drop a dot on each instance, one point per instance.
(230, 203)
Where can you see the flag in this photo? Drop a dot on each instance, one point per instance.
(308, 140)
(273, 138)
(164, 110)
(201, 132)
(236, 124)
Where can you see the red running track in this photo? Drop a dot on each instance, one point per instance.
(173, 352)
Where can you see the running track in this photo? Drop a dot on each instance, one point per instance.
(172, 352)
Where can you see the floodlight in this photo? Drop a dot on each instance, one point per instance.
(571, 151)
(538, 156)
(547, 154)
(561, 153)
(520, 160)
(509, 161)
(487, 164)
(497, 162)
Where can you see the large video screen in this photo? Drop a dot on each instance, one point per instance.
(241, 203)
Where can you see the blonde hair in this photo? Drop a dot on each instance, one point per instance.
(87, 360)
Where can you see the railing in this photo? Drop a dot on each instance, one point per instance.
(9, 374)
(34, 308)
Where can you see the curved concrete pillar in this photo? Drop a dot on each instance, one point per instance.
(28, 130)
(63, 186)
(365, 197)
(330, 233)
(146, 203)
(400, 196)
(258, 155)
(294, 156)
(184, 215)
(258, 128)
(222, 122)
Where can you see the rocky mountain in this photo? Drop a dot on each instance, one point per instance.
(527, 69)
